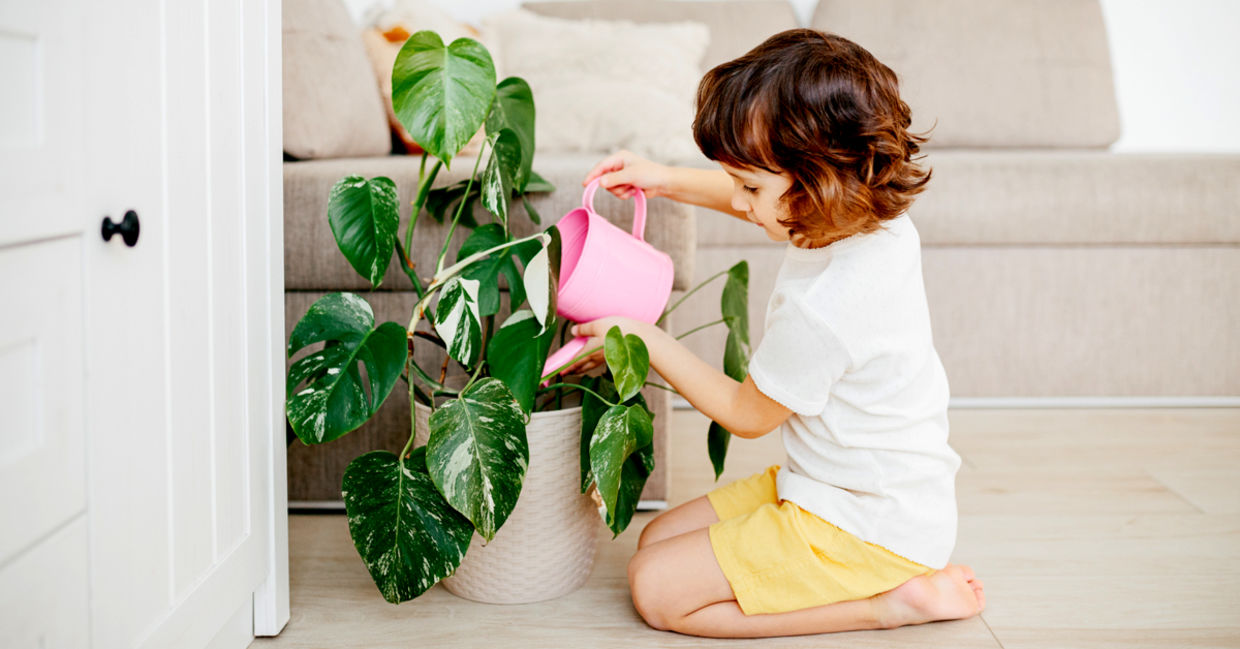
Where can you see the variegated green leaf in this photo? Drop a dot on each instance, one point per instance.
(364, 216)
(488, 269)
(514, 109)
(498, 178)
(735, 307)
(592, 409)
(540, 290)
(335, 399)
(620, 431)
(717, 440)
(735, 301)
(633, 476)
(516, 355)
(628, 360)
(404, 530)
(442, 93)
(457, 320)
(477, 454)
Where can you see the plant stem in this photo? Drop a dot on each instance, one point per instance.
(412, 409)
(426, 377)
(431, 337)
(459, 210)
(473, 378)
(686, 295)
(424, 188)
(663, 387)
(581, 387)
(699, 328)
(446, 274)
(456, 268)
(407, 265)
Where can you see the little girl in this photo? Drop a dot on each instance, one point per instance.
(855, 530)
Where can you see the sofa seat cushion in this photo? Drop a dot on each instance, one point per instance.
(313, 262)
(983, 197)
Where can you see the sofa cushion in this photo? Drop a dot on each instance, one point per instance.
(1060, 197)
(332, 106)
(313, 262)
(735, 26)
(1017, 73)
(589, 98)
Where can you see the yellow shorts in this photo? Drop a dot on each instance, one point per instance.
(778, 557)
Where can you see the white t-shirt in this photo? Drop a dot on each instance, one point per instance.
(848, 349)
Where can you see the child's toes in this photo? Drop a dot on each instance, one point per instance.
(980, 593)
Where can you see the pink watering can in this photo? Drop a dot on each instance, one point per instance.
(605, 271)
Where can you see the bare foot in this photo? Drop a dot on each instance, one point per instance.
(952, 593)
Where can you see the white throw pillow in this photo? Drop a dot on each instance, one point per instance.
(605, 85)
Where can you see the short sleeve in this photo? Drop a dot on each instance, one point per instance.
(799, 357)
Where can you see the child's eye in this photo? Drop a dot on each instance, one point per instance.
(751, 190)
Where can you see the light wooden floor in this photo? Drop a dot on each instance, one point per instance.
(1090, 528)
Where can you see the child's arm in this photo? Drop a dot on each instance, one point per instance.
(624, 171)
(737, 406)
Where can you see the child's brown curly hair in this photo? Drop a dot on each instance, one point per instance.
(823, 109)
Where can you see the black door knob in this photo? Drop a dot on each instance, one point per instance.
(127, 228)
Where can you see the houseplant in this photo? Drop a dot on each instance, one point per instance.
(412, 515)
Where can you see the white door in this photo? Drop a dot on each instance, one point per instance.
(141, 451)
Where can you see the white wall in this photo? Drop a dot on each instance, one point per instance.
(1176, 64)
(1177, 73)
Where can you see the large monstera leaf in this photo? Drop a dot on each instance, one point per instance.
(477, 454)
(336, 400)
(442, 93)
(364, 216)
(404, 530)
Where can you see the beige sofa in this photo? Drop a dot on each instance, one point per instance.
(1053, 267)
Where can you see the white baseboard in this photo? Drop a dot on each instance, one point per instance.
(964, 403)
(321, 505)
(1093, 402)
(338, 505)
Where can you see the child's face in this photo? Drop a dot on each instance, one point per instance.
(756, 192)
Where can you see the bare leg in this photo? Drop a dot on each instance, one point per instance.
(693, 515)
(677, 585)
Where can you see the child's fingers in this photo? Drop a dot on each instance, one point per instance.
(613, 162)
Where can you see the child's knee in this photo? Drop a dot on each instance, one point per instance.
(645, 589)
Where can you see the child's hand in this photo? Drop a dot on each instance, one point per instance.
(596, 331)
(624, 172)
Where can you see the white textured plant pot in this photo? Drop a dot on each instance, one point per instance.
(546, 547)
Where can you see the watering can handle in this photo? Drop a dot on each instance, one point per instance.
(639, 211)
